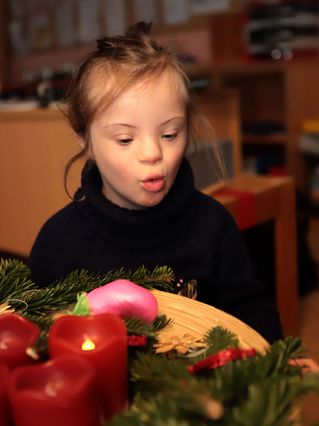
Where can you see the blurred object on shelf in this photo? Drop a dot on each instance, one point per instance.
(284, 30)
(309, 140)
(18, 105)
(309, 146)
(271, 164)
(264, 144)
(203, 162)
(227, 32)
(250, 165)
(314, 185)
(311, 126)
(277, 170)
(44, 89)
(263, 128)
(309, 143)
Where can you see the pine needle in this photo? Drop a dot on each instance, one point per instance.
(14, 280)
(136, 326)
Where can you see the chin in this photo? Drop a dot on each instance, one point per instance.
(152, 203)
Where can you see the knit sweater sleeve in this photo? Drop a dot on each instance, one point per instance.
(239, 291)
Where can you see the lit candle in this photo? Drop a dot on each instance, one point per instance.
(101, 340)
(4, 404)
(17, 336)
(60, 392)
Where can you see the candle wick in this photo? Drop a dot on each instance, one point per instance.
(32, 353)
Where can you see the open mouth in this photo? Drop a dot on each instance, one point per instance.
(153, 185)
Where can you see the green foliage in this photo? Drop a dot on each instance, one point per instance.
(136, 326)
(38, 304)
(15, 281)
(256, 391)
(216, 339)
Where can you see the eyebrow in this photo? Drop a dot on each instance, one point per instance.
(134, 127)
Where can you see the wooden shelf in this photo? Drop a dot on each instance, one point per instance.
(284, 92)
(249, 68)
(276, 139)
(260, 67)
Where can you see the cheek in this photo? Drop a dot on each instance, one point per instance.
(176, 155)
(117, 167)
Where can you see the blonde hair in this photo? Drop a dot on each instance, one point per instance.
(119, 62)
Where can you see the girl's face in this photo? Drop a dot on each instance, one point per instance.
(139, 142)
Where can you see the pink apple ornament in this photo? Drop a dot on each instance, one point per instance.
(120, 297)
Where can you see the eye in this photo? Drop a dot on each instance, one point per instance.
(170, 136)
(124, 141)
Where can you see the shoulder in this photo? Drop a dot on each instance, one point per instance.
(216, 221)
(54, 250)
(67, 218)
(212, 209)
(60, 230)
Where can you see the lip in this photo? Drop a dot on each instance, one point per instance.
(153, 183)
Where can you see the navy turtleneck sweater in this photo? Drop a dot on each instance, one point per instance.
(188, 231)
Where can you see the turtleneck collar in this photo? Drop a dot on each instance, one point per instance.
(137, 227)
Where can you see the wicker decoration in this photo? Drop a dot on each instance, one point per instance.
(195, 319)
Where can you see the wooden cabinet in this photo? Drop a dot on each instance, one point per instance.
(34, 149)
(283, 93)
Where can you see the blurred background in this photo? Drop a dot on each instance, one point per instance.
(258, 61)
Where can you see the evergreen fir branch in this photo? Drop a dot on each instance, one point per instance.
(277, 356)
(43, 321)
(14, 280)
(150, 365)
(173, 409)
(161, 278)
(216, 339)
(148, 414)
(219, 338)
(172, 396)
(14, 267)
(269, 403)
(57, 296)
(161, 322)
(135, 326)
(234, 378)
(26, 298)
(235, 385)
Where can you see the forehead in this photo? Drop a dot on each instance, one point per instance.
(105, 90)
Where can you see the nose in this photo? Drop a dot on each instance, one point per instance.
(150, 151)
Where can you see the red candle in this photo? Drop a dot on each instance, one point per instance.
(4, 404)
(60, 392)
(101, 340)
(17, 335)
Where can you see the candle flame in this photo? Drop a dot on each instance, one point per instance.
(88, 345)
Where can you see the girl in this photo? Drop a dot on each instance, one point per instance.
(130, 107)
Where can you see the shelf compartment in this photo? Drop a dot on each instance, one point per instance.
(275, 139)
